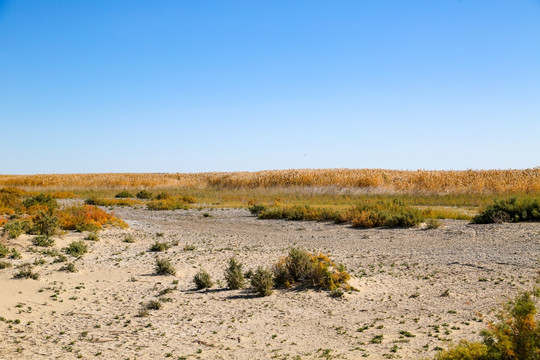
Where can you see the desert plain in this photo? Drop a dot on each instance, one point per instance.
(417, 290)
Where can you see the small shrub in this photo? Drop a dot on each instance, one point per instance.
(167, 204)
(189, 247)
(143, 194)
(5, 265)
(433, 224)
(152, 305)
(337, 293)
(256, 209)
(315, 270)
(14, 254)
(43, 240)
(92, 237)
(234, 276)
(129, 239)
(60, 259)
(76, 248)
(163, 196)
(202, 280)
(164, 267)
(4, 251)
(262, 281)
(39, 261)
(45, 223)
(123, 194)
(69, 267)
(159, 246)
(15, 228)
(25, 272)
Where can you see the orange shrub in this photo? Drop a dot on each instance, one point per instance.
(87, 218)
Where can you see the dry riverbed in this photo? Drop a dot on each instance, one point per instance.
(418, 290)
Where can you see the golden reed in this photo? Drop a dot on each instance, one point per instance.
(438, 181)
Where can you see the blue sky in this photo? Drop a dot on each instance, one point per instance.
(188, 86)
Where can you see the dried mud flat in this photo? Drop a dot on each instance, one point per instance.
(417, 288)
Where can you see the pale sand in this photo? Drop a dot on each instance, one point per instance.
(405, 273)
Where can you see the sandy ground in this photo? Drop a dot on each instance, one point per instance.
(419, 289)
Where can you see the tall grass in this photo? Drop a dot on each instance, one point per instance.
(478, 181)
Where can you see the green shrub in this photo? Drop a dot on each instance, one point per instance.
(123, 194)
(15, 228)
(234, 276)
(45, 223)
(379, 213)
(515, 336)
(202, 280)
(164, 267)
(262, 281)
(42, 200)
(393, 213)
(510, 210)
(25, 272)
(159, 246)
(143, 194)
(5, 265)
(76, 248)
(129, 238)
(42, 240)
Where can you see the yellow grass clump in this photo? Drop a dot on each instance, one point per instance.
(442, 181)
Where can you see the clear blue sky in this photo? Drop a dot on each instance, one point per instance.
(186, 86)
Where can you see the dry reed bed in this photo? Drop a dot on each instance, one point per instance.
(475, 181)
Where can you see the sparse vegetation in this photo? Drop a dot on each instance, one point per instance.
(25, 272)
